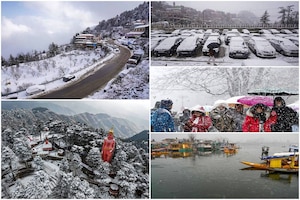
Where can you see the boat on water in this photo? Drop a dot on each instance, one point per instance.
(204, 146)
(285, 162)
(230, 148)
(180, 147)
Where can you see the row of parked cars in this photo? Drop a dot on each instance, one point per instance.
(263, 43)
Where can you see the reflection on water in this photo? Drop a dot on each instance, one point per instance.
(216, 174)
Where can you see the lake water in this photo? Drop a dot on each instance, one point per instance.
(218, 175)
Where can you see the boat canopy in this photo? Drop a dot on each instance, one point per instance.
(281, 155)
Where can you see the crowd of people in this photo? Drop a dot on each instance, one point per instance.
(222, 118)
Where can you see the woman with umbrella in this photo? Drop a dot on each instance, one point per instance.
(212, 52)
(259, 118)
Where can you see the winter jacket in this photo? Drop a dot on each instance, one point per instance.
(286, 117)
(199, 124)
(162, 120)
(222, 120)
(238, 119)
(253, 120)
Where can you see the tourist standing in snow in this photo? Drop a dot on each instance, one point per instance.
(108, 147)
(186, 114)
(199, 122)
(221, 117)
(286, 117)
(162, 120)
(211, 54)
(238, 117)
(259, 118)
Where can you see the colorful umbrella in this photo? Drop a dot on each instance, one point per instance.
(252, 100)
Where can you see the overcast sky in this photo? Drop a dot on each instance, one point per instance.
(287, 138)
(33, 25)
(257, 7)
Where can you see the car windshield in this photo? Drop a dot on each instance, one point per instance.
(263, 43)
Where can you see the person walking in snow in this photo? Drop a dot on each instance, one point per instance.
(286, 116)
(259, 118)
(108, 147)
(221, 117)
(162, 120)
(238, 117)
(199, 122)
(211, 54)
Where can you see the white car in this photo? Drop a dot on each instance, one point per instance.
(274, 31)
(213, 39)
(286, 31)
(238, 48)
(284, 46)
(294, 40)
(261, 47)
(35, 89)
(167, 47)
(229, 35)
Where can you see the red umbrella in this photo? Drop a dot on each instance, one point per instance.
(252, 100)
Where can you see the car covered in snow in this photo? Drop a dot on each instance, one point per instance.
(35, 89)
(189, 46)
(238, 48)
(167, 47)
(246, 31)
(294, 40)
(286, 31)
(284, 46)
(212, 39)
(274, 31)
(229, 35)
(131, 63)
(68, 77)
(261, 47)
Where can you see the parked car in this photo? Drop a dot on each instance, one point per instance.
(284, 46)
(238, 48)
(274, 31)
(189, 46)
(131, 63)
(286, 31)
(212, 39)
(264, 31)
(167, 47)
(261, 47)
(294, 40)
(229, 35)
(68, 77)
(207, 34)
(246, 31)
(35, 89)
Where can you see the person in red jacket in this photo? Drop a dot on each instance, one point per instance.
(108, 147)
(259, 118)
(199, 122)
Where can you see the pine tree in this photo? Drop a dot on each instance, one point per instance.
(265, 18)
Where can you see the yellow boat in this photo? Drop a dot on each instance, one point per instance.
(279, 162)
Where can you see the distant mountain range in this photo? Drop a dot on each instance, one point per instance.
(28, 113)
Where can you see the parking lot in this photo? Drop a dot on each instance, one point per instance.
(223, 59)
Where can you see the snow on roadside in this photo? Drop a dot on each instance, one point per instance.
(132, 83)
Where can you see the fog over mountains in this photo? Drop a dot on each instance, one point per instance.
(27, 114)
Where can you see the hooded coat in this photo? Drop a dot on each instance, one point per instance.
(161, 119)
(222, 119)
(286, 117)
(254, 120)
(199, 123)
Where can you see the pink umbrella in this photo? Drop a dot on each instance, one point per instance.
(252, 100)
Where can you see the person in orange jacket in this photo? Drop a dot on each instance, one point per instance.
(108, 147)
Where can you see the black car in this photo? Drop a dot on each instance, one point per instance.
(68, 77)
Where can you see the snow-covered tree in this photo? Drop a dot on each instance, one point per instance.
(80, 189)
(8, 160)
(64, 165)
(265, 18)
(38, 163)
(22, 150)
(93, 158)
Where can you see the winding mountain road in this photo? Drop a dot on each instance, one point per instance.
(88, 85)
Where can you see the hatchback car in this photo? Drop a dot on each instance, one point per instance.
(212, 39)
(35, 89)
(189, 46)
(261, 47)
(238, 48)
(284, 46)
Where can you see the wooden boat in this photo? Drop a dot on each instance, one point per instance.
(286, 162)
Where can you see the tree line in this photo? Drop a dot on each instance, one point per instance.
(287, 16)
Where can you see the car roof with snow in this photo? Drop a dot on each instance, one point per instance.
(188, 44)
(167, 43)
